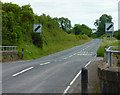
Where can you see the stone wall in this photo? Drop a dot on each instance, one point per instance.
(9, 55)
(109, 79)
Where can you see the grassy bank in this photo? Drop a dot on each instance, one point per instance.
(101, 50)
(33, 52)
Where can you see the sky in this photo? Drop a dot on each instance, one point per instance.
(78, 11)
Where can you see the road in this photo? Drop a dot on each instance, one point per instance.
(55, 73)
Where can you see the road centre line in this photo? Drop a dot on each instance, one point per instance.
(45, 63)
(70, 55)
(22, 71)
(65, 58)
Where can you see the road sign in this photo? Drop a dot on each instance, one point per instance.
(37, 28)
(109, 27)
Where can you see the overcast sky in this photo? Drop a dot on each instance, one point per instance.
(78, 11)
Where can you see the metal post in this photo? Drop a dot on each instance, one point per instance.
(110, 59)
(110, 37)
(22, 53)
(106, 57)
(6, 48)
(106, 38)
(84, 81)
(15, 48)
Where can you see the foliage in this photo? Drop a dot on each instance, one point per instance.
(36, 37)
(117, 34)
(100, 24)
(64, 23)
(81, 29)
(101, 50)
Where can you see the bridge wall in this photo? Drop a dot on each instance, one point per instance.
(109, 79)
(9, 55)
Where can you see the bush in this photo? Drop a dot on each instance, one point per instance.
(37, 39)
(84, 36)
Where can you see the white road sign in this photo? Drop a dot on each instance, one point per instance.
(109, 27)
(37, 28)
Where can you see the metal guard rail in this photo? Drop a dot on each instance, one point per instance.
(109, 52)
(8, 48)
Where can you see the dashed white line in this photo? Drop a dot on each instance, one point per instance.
(65, 58)
(70, 55)
(45, 63)
(22, 71)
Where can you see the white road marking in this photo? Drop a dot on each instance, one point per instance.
(88, 63)
(75, 78)
(68, 87)
(41, 64)
(74, 54)
(65, 58)
(70, 55)
(66, 90)
(22, 71)
(45, 63)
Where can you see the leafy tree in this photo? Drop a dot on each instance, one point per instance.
(81, 29)
(100, 24)
(64, 23)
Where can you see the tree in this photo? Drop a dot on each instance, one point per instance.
(64, 23)
(81, 29)
(100, 24)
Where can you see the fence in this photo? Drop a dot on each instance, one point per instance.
(7, 48)
(109, 53)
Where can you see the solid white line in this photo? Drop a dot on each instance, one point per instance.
(75, 78)
(66, 90)
(88, 63)
(68, 87)
(22, 71)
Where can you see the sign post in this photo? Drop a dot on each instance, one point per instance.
(109, 28)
